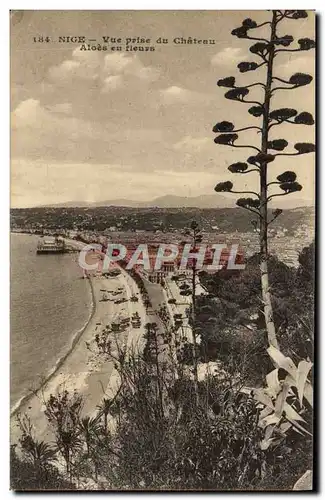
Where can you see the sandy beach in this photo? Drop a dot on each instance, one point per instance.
(83, 369)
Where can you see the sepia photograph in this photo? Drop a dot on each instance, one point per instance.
(162, 250)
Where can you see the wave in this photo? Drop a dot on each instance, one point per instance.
(74, 342)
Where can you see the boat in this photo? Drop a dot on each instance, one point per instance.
(51, 245)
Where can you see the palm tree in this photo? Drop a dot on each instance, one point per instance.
(90, 428)
(41, 454)
(104, 409)
(68, 443)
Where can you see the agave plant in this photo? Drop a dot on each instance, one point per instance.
(284, 401)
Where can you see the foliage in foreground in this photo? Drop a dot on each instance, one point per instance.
(25, 475)
(215, 445)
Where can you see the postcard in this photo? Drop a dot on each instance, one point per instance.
(162, 250)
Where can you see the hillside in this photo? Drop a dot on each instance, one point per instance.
(222, 220)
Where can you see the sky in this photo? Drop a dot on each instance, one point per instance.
(104, 125)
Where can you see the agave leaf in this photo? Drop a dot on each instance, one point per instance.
(291, 413)
(269, 420)
(290, 381)
(281, 400)
(268, 432)
(273, 383)
(265, 443)
(265, 412)
(285, 426)
(308, 393)
(282, 361)
(299, 428)
(296, 429)
(261, 396)
(301, 377)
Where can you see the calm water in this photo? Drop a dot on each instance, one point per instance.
(49, 304)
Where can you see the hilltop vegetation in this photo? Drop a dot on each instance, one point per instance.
(150, 219)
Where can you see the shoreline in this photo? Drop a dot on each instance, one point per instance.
(82, 368)
(76, 337)
(72, 372)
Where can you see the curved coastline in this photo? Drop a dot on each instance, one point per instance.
(76, 338)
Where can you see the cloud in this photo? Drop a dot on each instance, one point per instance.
(28, 113)
(43, 132)
(131, 66)
(112, 71)
(51, 133)
(228, 56)
(62, 108)
(37, 182)
(175, 91)
(81, 66)
(176, 94)
(112, 82)
(122, 68)
(192, 144)
(294, 64)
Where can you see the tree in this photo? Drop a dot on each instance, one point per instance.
(89, 428)
(267, 49)
(26, 476)
(104, 409)
(63, 412)
(39, 453)
(151, 353)
(196, 237)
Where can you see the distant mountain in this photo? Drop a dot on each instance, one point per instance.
(167, 201)
(203, 201)
(83, 204)
(173, 201)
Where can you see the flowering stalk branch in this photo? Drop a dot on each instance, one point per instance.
(275, 217)
(246, 128)
(245, 192)
(256, 212)
(274, 195)
(244, 146)
(253, 102)
(248, 171)
(284, 88)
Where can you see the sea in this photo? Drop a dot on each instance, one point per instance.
(50, 304)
